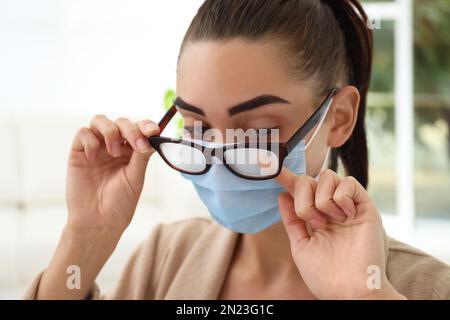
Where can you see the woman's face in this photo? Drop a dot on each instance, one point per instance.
(215, 76)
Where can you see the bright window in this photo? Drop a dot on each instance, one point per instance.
(408, 120)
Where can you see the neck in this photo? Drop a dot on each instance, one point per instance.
(268, 251)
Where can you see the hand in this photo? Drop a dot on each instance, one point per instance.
(105, 177)
(347, 235)
(106, 172)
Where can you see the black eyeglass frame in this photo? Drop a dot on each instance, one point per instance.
(283, 147)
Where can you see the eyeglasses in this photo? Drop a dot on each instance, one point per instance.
(260, 161)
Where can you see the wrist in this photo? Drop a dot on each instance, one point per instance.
(88, 235)
(89, 242)
(84, 250)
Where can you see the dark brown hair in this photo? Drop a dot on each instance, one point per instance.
(325, 42)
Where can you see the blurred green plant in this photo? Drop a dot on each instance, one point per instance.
(431, 50)
(432, 46)
(431, 26)
(383, 58)
(169, 98)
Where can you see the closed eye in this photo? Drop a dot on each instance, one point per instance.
(266, 131)
(196, 129)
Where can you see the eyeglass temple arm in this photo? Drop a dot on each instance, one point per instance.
(311, 122)
(166, 118)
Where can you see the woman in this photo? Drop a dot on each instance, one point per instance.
(276, 233)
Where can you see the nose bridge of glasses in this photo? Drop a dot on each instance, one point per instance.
(214, 155)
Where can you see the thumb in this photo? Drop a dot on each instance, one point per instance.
(138, 161)
(136, 168)
(295, 227)
(287, 179)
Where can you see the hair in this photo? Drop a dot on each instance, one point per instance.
(326, 43)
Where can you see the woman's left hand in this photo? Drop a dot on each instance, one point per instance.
(336, 261)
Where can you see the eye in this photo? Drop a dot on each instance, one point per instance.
(195, 131)
(264, 133)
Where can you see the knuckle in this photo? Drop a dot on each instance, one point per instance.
(95, 143)
(129, 129)
(300, 181)
(323, 203)
(147, 121)
(111, 132)
(83, 131)
(122, 120)
(305, 211)
(350, 179)
(328, 173)
(92, 144)
(147, 126)
(97, 118)
(134, 132)
(326, 177)
(339, 197)
(303, 183)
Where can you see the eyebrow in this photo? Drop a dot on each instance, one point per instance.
(241, 107)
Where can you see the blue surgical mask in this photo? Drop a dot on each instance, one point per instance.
(242, 205)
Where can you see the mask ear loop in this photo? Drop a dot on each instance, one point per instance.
(319, 125)
(324, 164)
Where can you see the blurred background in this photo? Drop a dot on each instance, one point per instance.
(62, 61)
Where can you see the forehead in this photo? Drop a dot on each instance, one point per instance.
(210, 70)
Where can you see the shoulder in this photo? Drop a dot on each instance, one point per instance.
(416, 274)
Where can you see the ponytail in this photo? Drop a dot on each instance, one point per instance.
(359, 44)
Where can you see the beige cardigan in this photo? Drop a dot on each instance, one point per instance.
(189, 260)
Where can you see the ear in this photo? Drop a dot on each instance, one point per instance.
(344, 113)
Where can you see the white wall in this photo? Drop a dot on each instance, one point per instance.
(90, 56)
(61, 62)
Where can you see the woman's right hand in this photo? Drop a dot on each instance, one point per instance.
(105, 175)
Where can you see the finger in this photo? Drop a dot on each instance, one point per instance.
(295, 227)
(86, 141)
(131, 133)
(138, 132)
(348, 194)
(108, 132)
(148, 128)
(326, 186)
(287, 179)
(304, 195)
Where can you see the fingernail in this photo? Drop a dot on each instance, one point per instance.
(116, 149)
(142, 145)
